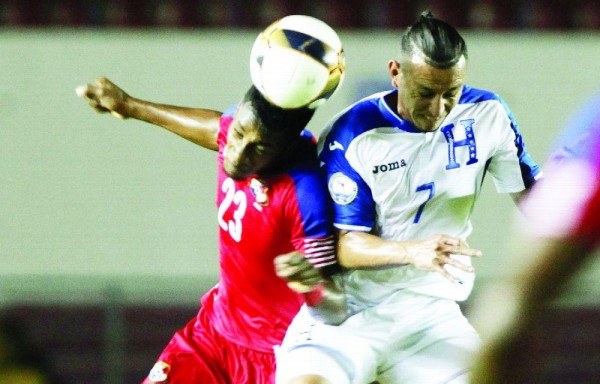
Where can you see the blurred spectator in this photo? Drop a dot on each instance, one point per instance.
(476, 14)
(337, 13)
(65, 13)
(388, 14)
(166, 13)
(217, 13)
(544, 14)
(271, 10)
(586, 15)
(12, 13)
(20, 361)
(116, 13)
(483, 14)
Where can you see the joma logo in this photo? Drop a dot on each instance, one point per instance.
(389, 167)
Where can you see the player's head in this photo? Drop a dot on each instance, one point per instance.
(429, 72)
(261, 136)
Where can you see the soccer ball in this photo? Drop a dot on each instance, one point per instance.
(297, 61)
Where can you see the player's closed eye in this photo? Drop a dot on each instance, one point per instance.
(260, 149)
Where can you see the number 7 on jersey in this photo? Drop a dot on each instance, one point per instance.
(425, 187)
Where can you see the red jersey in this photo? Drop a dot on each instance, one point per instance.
(260, 218)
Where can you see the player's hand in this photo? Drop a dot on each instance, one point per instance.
(300, 274)
(104, 96)
(436, 252)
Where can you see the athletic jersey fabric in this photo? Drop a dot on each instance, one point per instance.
(387, 178)
(259, 219)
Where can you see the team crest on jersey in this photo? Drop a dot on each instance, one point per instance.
(260, 191)
(159, 374)
(343, 190)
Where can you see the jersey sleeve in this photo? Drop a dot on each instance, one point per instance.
(310, 208)
(353, 204)
(511, 166)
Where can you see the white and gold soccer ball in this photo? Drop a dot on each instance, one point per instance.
(297, 61)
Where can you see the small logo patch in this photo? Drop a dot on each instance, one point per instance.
(159, 374)
(343, 190)
(260, 191)
(335, 145)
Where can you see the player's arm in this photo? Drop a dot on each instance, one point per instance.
(199, 126)
(324, 299)
(365, 250)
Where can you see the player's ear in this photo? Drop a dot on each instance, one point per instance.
(394, 70)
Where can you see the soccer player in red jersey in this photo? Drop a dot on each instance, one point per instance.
(276, 244)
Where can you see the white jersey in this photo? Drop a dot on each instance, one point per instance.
(390, 179)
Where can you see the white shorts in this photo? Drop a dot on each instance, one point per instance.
(410, 339)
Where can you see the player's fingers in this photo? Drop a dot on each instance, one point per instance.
(102, 81)
(88, 92)
(305, 278)
(457, 264)
(472, 252)
(300, 287)
(455, 241)
(99, 108)
(447, 275)
(291, 258)
(451, 240)
(287, 266)
(82, 90)
(463, 250)
(298, 272)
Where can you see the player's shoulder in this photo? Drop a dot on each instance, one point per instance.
(305, 163)
(478, 95)
(482, 97)
(307, 180)
(358, 118)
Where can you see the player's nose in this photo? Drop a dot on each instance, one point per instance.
(436, 107)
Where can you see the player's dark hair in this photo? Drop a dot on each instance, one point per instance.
(274, 120)
(438, 41)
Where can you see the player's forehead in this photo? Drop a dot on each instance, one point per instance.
(247, 124)
(422, 74)
(245, 121)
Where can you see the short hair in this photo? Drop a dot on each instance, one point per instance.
(439, 42)
(274, 120)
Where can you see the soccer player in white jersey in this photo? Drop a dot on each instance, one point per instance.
(404, 169)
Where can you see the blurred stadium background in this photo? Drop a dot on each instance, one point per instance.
(107, 230)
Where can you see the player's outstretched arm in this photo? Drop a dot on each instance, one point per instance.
(199, 126)
(364, 250)
(325, 299)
